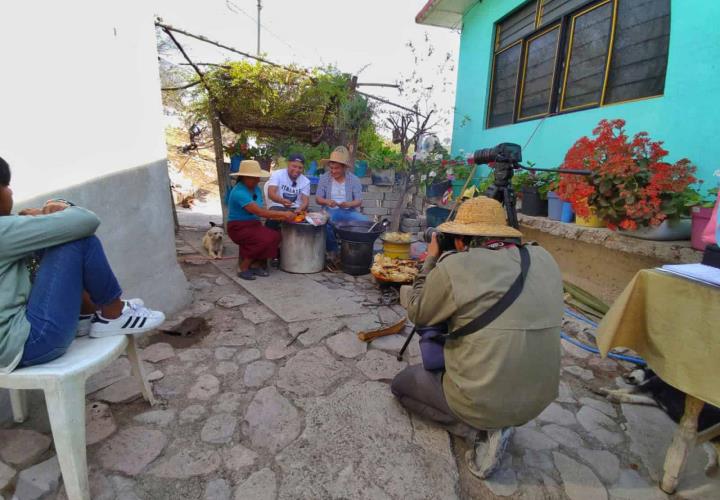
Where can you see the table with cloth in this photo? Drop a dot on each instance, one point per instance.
(674, 324)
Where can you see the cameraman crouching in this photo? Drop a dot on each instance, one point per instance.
(502, 355)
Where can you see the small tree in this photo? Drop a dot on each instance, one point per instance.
(408, 127)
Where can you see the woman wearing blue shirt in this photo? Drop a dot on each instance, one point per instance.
(256, 242)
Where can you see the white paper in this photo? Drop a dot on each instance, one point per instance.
(696, 272)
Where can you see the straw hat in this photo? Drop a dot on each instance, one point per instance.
(250, 168)
(481, 216)
(339, 155)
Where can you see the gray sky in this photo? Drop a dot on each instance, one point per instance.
(351, 34)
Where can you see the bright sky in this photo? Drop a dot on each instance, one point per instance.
(350, 34)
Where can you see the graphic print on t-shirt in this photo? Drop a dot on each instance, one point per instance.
(289, 189)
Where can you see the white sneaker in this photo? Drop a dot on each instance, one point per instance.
(85, 320)
(485, 457)
(134, 319)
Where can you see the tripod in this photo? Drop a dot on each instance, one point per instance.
(503, 191)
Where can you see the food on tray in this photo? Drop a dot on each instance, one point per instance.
(397, 237)
(300, 217)
(395, 270)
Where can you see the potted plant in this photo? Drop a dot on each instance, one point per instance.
(700, 217)
(630, 186)
(237, 153)
(383, 163)
(533, 188)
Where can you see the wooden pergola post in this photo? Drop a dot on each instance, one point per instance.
(222, 174)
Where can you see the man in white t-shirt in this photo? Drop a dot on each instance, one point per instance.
(288, 189)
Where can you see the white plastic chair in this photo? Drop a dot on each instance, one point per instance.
(63, 382)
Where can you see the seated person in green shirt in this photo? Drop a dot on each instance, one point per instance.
(74, 291)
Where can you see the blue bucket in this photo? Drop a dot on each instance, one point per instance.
(568, 214)
(312, 169)
(235, 163)
(555, 205)
(361, 168)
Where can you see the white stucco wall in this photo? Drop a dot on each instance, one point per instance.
(79, 91)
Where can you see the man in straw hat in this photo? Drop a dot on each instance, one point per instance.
(256, 242)
(340, 192)
(505, 373)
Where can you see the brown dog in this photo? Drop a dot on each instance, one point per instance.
(213, 241)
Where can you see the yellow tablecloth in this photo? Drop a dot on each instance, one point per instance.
(674, 324)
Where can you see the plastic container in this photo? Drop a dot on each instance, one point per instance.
(532, 204)
(235, 163)
(312, 169)
(668, 230)
(567, 213)
(361, 168)
(590, 221)
(457, 186)
(700, 219)
(436, 216)
(313, 183)
(396, 250)
(555, 205)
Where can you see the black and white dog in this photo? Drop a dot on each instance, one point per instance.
(649, 389)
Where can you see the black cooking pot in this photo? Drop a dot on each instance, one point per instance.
(357, 231)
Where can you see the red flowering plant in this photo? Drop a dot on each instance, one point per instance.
(630, 185)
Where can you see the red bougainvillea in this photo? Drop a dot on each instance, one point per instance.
(630, 184)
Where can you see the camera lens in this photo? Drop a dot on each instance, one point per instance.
(427, 235)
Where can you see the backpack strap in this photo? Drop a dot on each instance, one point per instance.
(501, 305)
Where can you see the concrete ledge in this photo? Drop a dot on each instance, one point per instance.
(676, 252)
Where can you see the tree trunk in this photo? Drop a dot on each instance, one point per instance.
(222, 173)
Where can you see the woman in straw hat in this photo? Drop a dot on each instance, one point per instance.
(501, 375)
(257, 243)
(340, 192)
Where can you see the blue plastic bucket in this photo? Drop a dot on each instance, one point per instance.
(235, 163)
(436, 216)
(568, 214)
(554, 206)
(361, 168)
(312, 169)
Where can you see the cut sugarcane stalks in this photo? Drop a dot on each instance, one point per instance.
(368, 335)
(587, 300)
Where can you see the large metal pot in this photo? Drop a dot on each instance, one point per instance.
(302, 250)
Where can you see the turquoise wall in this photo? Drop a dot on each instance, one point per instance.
(686, 117)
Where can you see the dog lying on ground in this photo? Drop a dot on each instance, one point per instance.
(649, 389)
(213, 241)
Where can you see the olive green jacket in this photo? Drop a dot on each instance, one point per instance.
(507, 373)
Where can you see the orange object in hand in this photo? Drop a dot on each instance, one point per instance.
(299, 217)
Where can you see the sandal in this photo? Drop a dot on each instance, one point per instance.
(259, 271)
(246, 275)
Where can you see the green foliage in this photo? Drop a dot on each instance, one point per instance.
(286, 146)
(274, 102)
(543, 181)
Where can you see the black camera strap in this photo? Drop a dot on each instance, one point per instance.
(501, 305)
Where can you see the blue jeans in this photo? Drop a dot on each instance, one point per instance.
(56, 296)
(340, 215)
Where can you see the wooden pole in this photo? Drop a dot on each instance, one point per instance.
(222, 173)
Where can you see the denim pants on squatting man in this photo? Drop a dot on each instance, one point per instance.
(340, 215)
(56, 296)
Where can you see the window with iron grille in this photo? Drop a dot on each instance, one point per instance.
(558, 56)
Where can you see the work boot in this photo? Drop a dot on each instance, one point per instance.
(485, 457)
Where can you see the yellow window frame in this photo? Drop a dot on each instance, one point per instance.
(492, 84)
(571, 42)
(524, 72)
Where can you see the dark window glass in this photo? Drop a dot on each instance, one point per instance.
(640, 49)
(504, 83)
(538, 77)
(517, 25)
(552, 10)
(588, 48)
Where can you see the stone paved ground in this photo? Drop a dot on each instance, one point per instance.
(244, 415)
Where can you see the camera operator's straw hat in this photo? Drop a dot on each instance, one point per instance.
(250, 168)
(339, 155)
(481, 216)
